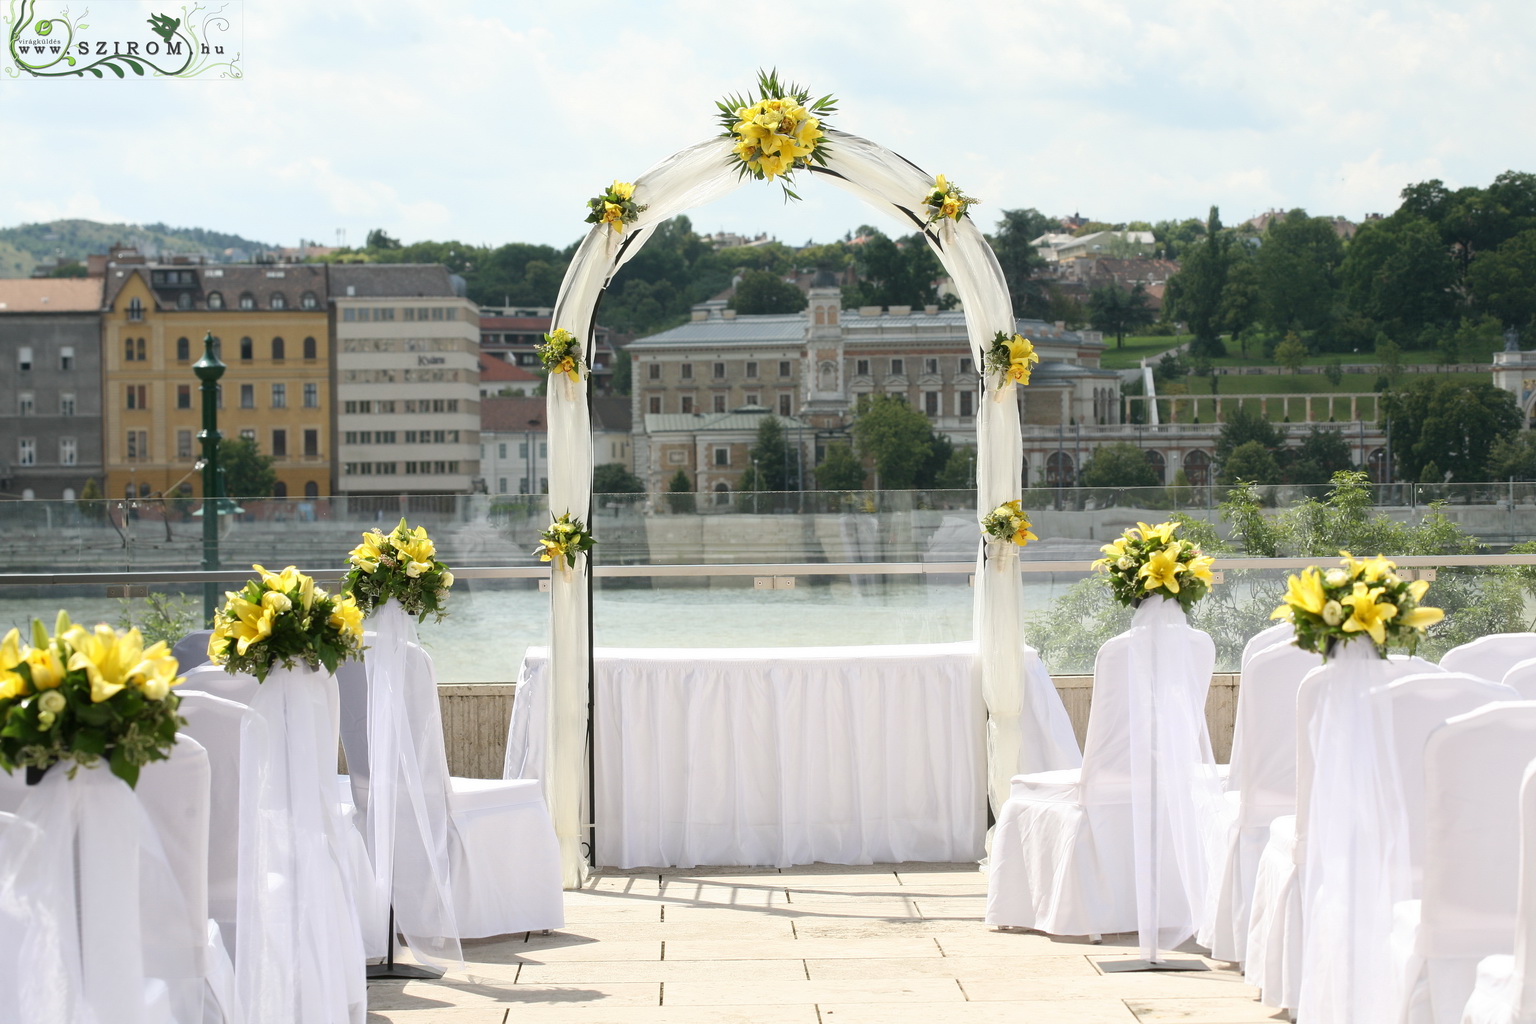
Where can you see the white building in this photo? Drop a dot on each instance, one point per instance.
(514, 441)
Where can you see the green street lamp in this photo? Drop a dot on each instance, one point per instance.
(209, 369)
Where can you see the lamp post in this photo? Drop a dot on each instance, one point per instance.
(209, 369)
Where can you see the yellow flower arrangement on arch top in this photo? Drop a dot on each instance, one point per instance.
(82, 696)
(1010, 357)
(616, 207)
(563, 539)
(1008, 523)
(401, 564)
(561, 354)
(945, 200)
(775, 131)
(283, 618)
(1147, 561)
(1360, 597)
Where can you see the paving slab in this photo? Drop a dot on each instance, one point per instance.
(845, 990)
(453, 1015)
(801, 949)
(1080, 1011)
(454, 992)
(961, 968)
(1203, 1011)
(716, 972)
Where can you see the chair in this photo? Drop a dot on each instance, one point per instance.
(1490, 656)
(1505, 990)
(1263, 781)
(216, 723)
(1066, 857)
(1474, 766)
(1416, 706)
(192, 650)
(210, 678)
(1521, 677)
(1279, 633)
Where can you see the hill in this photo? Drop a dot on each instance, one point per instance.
(24, 247)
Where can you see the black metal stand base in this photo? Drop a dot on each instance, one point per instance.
(390, 969)
(1108, 966)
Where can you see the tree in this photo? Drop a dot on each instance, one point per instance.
(1452, 422)
(840, 470)
(680, 493)
(762, 291)
(771, 467)
(1252, 462)
(1020, 260)
(1114, 310)
(1240, 303)
(1321, 454)
(959, 472)
(1398, 273)
(1513, 456)
(1195, 292)
(623, 372)
(1390, 355)
(1298, 268)
(1243, 425)
(378, 238)
(1291, 353)
(897, 438)
(89, 503)
(895, 272)
(1119, 465)
(247, 472)
(614, 478)
(1504, 281)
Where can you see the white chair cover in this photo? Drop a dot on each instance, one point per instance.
(1125, 842)
(192, 650)
(300, 953)
(217, 724)
(1262, 780)
(1413, 707)
(13, 790)
(1474, 766)
(1272, 950)
(1521, 677)
(1279, 633)
(96, 910)
(1490, 656)
(1502, 994)
(210, 678)
(399, 771)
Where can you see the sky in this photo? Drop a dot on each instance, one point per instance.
(493, 122)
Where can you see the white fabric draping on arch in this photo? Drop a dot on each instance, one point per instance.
(694, 177)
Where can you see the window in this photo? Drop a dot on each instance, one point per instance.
(722, 456)
(543, 449)
(247, 396)
(183, 444)
(311, 489)
(501, 485)
(247, 435)
(751, 369)
(68, 451)
(653, 371)
(719, 371)
(135, 309)
(687, 404)
(522, 450)
(25, 403)
(280, 490)
(311, 442)
(67, 358)
(931, 403)
(655, 405)
(687, 371)
(722, 493)
(861, 367)
(784, 405)
(280, 443)
(311, 395)
(215, 300)
(24, 358)
(247, 350)
(967, 403)
(184, 300)
(308, 301)
(66, 403)
(966, 365)
(309, 348)
(279, 396)
(183, 350)
(930, 365)
(784, 368)
(26, 451)
(247, 301)
(138, 396)
(183, 396)
(140, 347)
(277, 349)
(278, 301)
(138, 445)
(753, 398)
(128, 355)
(719, 403)
(501, 450)
(898, 367)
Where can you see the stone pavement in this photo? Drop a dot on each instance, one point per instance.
(818, 945)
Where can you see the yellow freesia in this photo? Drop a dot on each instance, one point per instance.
(622, 189)
(1161, 570)
(1305, 591)
(1367, 615)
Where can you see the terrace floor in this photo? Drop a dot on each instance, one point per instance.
(819, 945)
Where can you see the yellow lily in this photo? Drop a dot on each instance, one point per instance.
(1022, 535)
(47, 669)
(1200, 568)
(1422, 617)
(12, 684)
(347, 616)
(1161, 570)
(622, 189)
(105, 658)
(1162, 532)
(367, 554)
(1305, 591)
(940, 184)
(1366, 614)
(1021, 349)
(253, 623)
(155, 673)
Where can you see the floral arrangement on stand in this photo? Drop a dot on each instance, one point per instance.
(1008, 524)
(1010, 357)
(563, 539)
(561, 354)
(83, 696)
(616, 207)
(776, 130)
(945, 200)
(1147, 561)
(1361, 597)
(284, 619)
(401, 564)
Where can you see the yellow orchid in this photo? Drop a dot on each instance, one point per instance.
(1161, 570)
(1017, 373)
(553, 549)
(567, 366)
(1367, 615)
(951, 208)
(1022, 535)
(613, 216)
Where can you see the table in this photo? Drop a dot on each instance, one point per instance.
(777, 756)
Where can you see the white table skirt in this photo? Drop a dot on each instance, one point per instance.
(838, 755)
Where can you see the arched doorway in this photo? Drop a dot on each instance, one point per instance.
(1197, 468)
(1159, 465)
(1059, 470)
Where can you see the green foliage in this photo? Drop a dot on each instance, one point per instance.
(680, 496)
(894, 272)
(76, 239)
(1450, 422)
(1119, 465)
(840, 470)
(770, 453)
(1195, 293)
(623, 372)
(1291, 353)
(1020, 260)
(615, 478)
(761, 291)
(401, 565)
(1322, 453)
(1251, 462)
(563, 539)
(1245, 424)
(284, 619)
(1147, 562)
(899, 440)
(160, 617)
(1298, 266)
(1513, 456)
(959, 472)
(1115, 310)
(247, 472)
(378, 238)
(89, 503)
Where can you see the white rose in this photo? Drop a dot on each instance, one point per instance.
(447, 580)
(51, 702)
(1333, 613)
(1125, 562)
(45, 719)
(1336, 577)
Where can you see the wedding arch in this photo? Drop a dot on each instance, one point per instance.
(760, 146)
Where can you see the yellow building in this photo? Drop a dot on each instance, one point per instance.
(272, 324)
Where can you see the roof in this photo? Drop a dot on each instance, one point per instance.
(769, 329)
(612, 414)
(513, 415)
(741, 330)
(50, 295)
(492, 368)
(230, 280)
(739, 419)
(391, 281)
